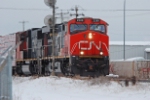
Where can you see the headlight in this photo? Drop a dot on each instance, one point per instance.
(101, 53)
(90, 36)
(81, 52)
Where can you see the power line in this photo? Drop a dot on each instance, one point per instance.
(93, 10)
(127, 15)
(115, 10)
(28, 9)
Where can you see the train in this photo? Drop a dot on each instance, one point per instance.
(79, 46)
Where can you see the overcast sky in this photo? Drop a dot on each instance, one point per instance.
(137, 22)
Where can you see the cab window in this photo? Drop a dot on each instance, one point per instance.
(97, 27)
(75, 28)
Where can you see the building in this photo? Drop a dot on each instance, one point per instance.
(132, 49)
(147, 51)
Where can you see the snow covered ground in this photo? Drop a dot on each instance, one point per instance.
(48, 88)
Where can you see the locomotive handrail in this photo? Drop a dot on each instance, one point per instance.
(73, 48)
(38, 47)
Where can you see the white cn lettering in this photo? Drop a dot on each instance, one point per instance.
(98, 47)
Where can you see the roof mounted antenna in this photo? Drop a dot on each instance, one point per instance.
(76, 10)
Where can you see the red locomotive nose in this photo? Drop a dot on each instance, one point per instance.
(89, 43)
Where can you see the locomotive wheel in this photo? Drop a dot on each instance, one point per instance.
(47, 69)
(64, 68)
(47, 72)
(31, 67)
(106, 70)
(35, 69)
(13, 70)
(18, 70)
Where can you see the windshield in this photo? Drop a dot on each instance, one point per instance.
(75, 28)
(97, 27)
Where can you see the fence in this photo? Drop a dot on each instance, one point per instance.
(143, 68)
(6, 75)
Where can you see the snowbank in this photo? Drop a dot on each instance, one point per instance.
(47, 88)
(130, 42)
(136, 59)
(130, 59)
(147, 49)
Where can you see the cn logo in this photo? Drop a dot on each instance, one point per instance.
(98, 47)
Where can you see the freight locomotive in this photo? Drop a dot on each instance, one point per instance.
(81, 48)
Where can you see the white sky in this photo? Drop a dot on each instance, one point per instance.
(137, 22)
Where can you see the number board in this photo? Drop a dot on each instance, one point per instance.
(96, 20)
(80, 20)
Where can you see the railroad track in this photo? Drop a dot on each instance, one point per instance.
(78, 77)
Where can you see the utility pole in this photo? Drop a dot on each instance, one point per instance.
(53, 44)
(51, 24)
(124, 29)
(62, 15)
(23, 24)
(76, 14)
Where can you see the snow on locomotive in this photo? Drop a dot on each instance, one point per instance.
(81, 48)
